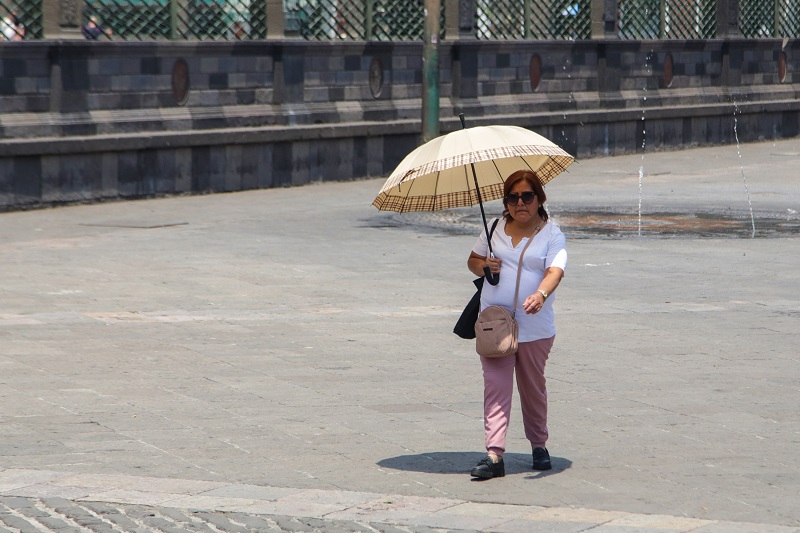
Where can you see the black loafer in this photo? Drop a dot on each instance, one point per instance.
(486, 469)
(541, 459)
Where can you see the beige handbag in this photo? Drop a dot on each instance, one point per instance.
(496, 330)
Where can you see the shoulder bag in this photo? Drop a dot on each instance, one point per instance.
(465, 327)
(496, 330)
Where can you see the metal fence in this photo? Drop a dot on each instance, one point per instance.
(398, 20)
(20, 20)
(769, 18)
(666, 19)
(533, 19)
(175, 19)
(379, 20)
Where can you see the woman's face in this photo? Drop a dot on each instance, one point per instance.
(520, 211)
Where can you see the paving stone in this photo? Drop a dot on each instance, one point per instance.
(223, 522)
(17, 523)
(114, 515)
(164, 352)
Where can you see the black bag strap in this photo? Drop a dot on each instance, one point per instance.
(491, 231)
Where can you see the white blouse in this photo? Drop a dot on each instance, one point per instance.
(548, 249)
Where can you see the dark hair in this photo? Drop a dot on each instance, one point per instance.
(531, 177)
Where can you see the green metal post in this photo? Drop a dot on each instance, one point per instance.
(173, 19)
(368, 24)
(430, 71)
(526, 24)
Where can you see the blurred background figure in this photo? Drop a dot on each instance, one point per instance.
(12, 28)
(93, 30)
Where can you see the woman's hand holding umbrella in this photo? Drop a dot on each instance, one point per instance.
(491, 269)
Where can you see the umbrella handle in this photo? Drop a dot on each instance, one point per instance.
(493, 279)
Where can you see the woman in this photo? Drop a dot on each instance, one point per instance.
(544, 262)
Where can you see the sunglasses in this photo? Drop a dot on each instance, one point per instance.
(527, 198)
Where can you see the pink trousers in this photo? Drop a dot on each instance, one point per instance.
(498, 388)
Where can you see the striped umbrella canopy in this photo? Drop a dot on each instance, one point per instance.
(439, 174)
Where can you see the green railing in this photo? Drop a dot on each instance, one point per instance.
(533, 19)
(666, 19)
(175, 19)
(398, 20)
(378, 20)
(769, 18)
(20, 20)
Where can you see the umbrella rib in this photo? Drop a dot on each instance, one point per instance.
(410, 187)
(435, 190)
(467, 173)
(503, 178)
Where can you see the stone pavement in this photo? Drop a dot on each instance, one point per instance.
(282, 360)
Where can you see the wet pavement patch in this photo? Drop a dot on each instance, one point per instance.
(609, 224)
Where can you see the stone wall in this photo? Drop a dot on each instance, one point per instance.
(82, 121)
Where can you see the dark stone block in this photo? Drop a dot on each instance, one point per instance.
(293, 69)
(395, 148)
(15, 68)
(128, 174)
(74, 75)
(130, 101)
(360, 157)
(251, 166)
(790, 124)
(282, 165)
(8, 85)
(151, 66)
(218, 81)
(567, 138)
(166, 99)
(211, 177)
(245, 96)
(209, 123)
(156, 171)
(686, 137)
(465, 72)
(149, 170)
(700, 69)
(352, 62)
(78, 178)
(201, 163)
(613, 59)
(80, 128)
(503, 60)
(265, 172)
(27, 178)
(335, 94)
(230, 178)
(7, 197)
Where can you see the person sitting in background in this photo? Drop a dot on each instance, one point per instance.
(93, 31)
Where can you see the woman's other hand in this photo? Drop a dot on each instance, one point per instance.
(533, 303)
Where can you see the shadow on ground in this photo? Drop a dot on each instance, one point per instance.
(462, 463)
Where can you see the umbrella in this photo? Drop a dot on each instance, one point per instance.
(468, 166)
